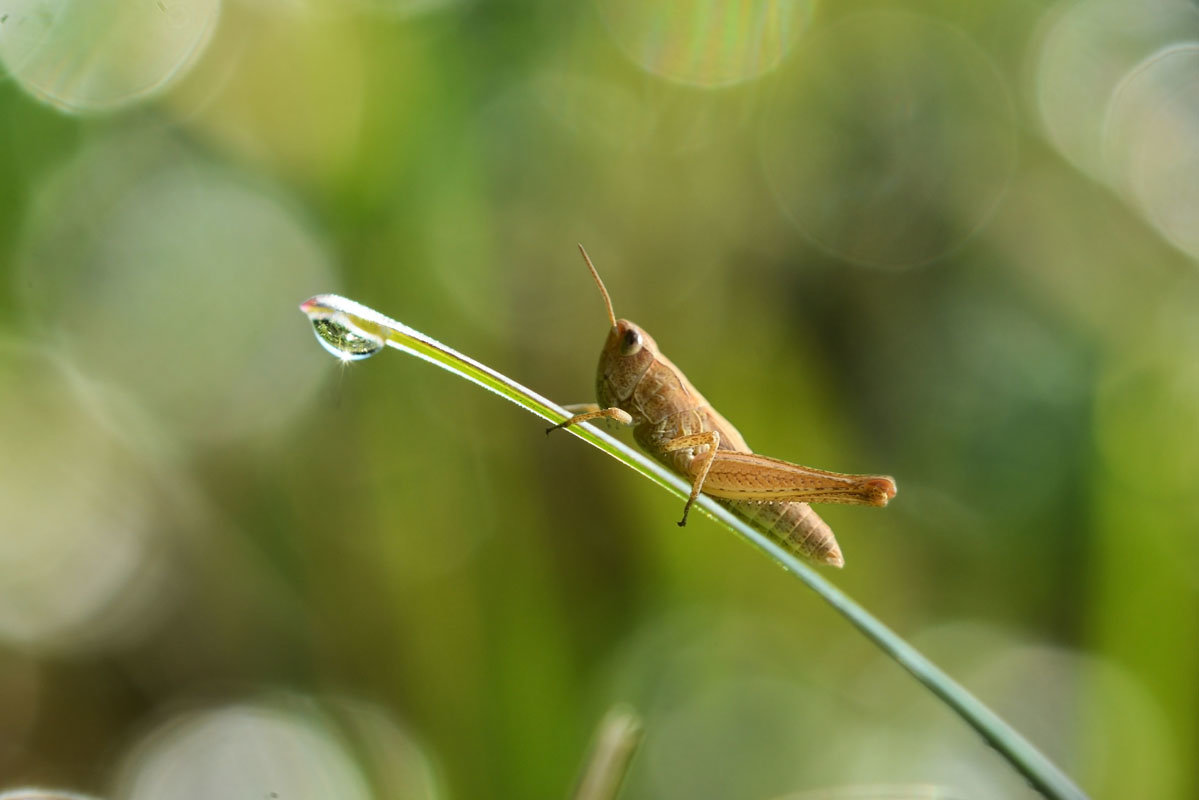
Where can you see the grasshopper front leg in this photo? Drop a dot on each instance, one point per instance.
(589, 411)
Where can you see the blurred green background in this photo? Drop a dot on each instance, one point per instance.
(951, 242)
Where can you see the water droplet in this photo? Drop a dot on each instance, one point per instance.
(343, 340)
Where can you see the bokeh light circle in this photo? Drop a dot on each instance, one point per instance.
(1077, 708)
(286, 91)
(719, 691)
(1151, 140)
(692, 755)
(889, 139)
(396, 762)
(178, 282)
(99, 55)
(250, 750)
(82, 564)
(1085, 49)
(706, 43)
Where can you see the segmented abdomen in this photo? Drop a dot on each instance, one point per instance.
(795, 525)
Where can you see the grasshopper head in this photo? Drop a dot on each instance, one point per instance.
(628, 353)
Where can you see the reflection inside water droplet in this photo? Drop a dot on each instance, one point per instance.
(344, 340)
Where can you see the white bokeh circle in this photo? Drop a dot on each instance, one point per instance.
(889, 139)
(100, 55)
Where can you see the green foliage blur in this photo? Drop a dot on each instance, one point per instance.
(954, 243)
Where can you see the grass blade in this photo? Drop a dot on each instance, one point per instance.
(367, 323)
(611, 754)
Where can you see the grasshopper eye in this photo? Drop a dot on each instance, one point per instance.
(630, 343)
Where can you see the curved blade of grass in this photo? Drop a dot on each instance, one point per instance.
(1040, 772)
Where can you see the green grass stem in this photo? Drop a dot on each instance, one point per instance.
(1040, 772)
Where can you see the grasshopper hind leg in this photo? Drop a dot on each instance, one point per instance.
(700, 465)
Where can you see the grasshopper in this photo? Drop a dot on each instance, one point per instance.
(637, 385)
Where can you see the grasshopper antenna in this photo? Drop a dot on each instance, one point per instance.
(600, 284)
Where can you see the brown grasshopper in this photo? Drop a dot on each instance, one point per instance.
(637, 385)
